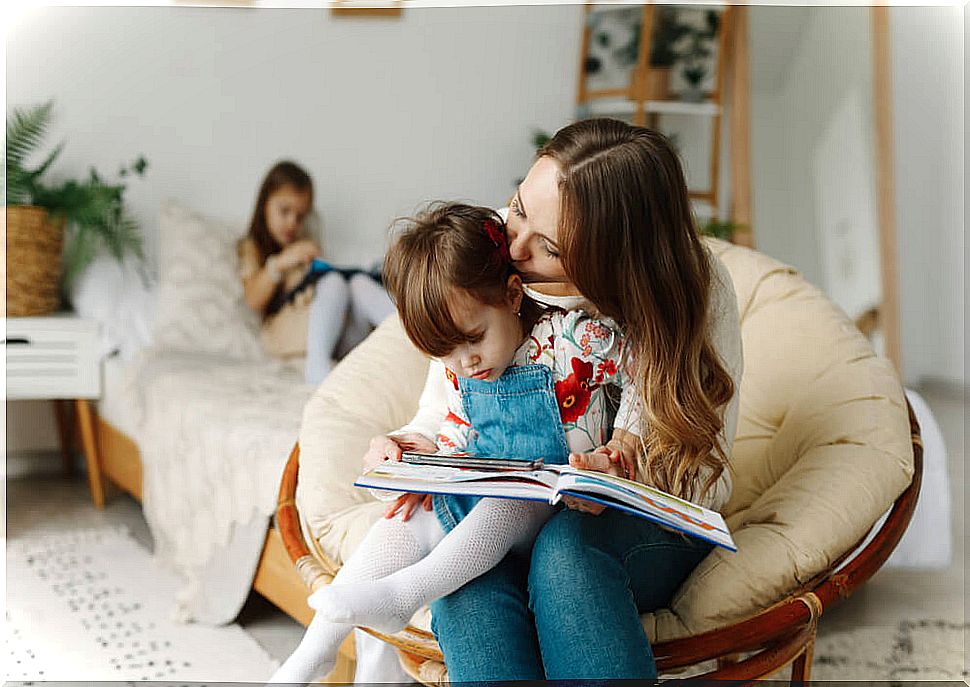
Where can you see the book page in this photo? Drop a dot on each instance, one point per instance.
(431, 479)
(649, 502)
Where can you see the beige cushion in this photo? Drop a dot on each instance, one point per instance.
(200, 298)
(822, 447)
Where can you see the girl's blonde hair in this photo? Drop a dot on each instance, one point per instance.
(629, 244)
(448, 248)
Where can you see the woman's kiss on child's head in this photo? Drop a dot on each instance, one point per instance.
(459, 298)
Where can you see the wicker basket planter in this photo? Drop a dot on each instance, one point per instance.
(33, 267)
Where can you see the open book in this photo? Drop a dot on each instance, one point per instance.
(550, 483)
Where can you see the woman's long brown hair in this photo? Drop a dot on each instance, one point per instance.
(630, 245)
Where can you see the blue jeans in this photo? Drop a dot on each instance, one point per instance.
(574, 611)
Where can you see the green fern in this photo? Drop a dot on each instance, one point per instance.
(26, 131)
(93, 210)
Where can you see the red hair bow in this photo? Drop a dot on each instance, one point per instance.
(501, 241)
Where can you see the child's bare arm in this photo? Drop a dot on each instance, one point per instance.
(259, 287)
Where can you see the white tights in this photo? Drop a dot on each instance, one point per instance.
(367, 303)
(400, 567)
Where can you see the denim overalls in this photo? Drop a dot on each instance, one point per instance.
(516, 416)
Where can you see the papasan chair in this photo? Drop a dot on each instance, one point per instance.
(826, 444)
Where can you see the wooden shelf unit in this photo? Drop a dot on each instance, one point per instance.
(730, 95)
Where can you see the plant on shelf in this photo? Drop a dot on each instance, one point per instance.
(694, 52)
(540, 138)
(667, 31)
(87, 215)
(724, 230)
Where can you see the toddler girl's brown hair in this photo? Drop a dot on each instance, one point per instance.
(447, 248)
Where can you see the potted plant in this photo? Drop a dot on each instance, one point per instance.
(667, 32)
(725, 230)
(694, 52)
(87, 215)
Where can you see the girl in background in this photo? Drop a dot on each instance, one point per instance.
(274, 259)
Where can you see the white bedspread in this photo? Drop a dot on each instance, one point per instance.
(214, 435)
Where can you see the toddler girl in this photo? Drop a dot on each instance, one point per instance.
(525, 383)
(273, 261)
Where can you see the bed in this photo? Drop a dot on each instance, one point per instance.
(194, 421)
(121, 462)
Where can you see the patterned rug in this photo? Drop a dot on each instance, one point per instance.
(92, 605)
(914, 650)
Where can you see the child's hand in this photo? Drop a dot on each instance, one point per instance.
(297, 253)
(406, 503)
(602, 459)
(389, 447)
(583, 505)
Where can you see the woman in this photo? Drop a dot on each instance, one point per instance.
(604, 212)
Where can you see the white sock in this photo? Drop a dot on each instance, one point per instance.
(476, 545)
(389, 545)
(316, 654)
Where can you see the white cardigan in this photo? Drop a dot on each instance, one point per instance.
(725, 326)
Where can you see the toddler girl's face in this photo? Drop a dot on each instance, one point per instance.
(286, 209)
(496, 332)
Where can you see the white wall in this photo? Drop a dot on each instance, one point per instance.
(788, 112)
(827, 64)
(929, 119)
(439, 103)
(384, 113)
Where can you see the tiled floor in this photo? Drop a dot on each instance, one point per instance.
(39, 503)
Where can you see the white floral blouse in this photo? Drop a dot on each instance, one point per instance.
(585, 356)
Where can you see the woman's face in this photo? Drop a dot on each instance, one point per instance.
(533, 224)
(286, 209)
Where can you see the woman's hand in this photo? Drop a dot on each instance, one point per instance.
(627, 445)
(602, 459)
(389, 447)
(406, 503)
(297, 253)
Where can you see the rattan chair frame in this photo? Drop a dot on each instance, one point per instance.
(752, 649)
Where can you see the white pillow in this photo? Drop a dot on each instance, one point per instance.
(200, 304)
(120, 297)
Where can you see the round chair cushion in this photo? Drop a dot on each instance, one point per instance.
(822, 447)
